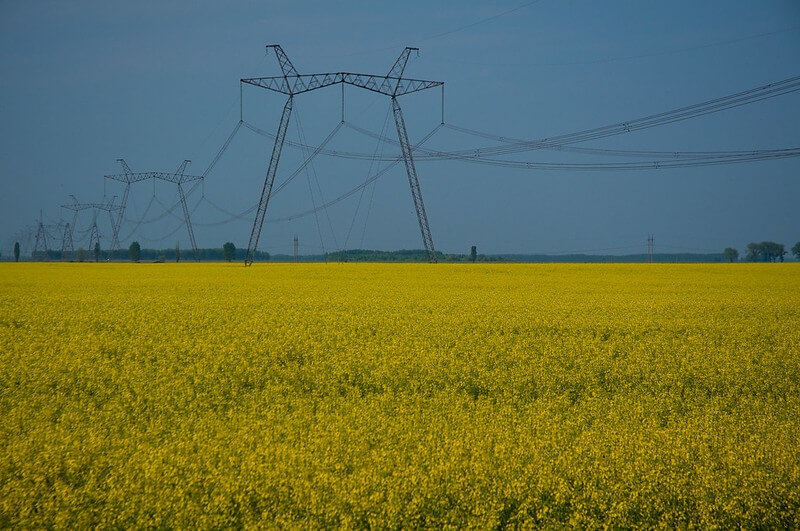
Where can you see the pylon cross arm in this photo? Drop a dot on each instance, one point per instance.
(388, 85)
(164, 176)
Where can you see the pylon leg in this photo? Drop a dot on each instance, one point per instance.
(116, 225)
(188, 223)
(413, 181)
(268, 182)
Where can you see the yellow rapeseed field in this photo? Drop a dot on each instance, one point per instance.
(399, 396)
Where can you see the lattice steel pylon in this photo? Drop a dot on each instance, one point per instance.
(291, 83)
(66, 243)
(179, 178)
(94, 234)
(41, 237)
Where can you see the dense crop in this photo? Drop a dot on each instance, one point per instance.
(356, 395)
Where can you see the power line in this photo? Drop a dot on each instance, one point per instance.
(731, 101)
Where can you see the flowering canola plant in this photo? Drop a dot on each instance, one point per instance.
(399, 395)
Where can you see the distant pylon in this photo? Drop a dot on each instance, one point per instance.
(295, 247)
(41, 237)
(651, 246)
(94, 234)
(179, 178)
(66, 242)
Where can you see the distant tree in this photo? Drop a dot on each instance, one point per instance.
(97, 251)
(177, 251)
(16, 251)
(135, 252)
(229, 252)
(80, 254)
(768, 251)
(772, 251)
(753, 252)
(795, 250)
(731, 254)
(473, 253)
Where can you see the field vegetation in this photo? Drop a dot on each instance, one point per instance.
(399, 395)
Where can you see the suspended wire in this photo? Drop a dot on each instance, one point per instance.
(311, 190)
(483, 155)
(328, 152)
(561, 142)
(171, 233)
(319, 149)
(141, 220)
(244, 215)
(677, 159)
(684, 113)
(223, 149)
(169, 211)
(349, 193)
(649, 165)
(180, 226)
(603, 151)
(378, 147)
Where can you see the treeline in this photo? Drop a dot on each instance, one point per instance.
(767, 252)
(756, 252)
(145, 255)
(404, 255)
(419, 255)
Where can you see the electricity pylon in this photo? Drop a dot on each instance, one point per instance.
(66, 242)
(41, 237)
(94, 235)
(179, 178)
(291, 83)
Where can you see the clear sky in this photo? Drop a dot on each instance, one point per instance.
(87, 82)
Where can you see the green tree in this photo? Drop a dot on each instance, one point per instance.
(796, 250)
(97, 251)
(731, 254)
(753, 252)
(80, 254)
(768, 251)
(229, 251)
(473, 253)
(16, 251)
(135, 252)
(772, 251)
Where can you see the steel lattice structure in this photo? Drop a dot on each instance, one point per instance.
(291, 83)
(179, 178)
(94, 236)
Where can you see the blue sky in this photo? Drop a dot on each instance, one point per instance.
(87, 82)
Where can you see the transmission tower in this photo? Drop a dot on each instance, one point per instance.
(41, 237)
(179, 178)
(66, 242)
(651, 247)
(291, 83)
(94, 234)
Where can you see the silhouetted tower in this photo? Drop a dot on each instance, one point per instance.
(41, 237)
(128, 178)
(291, 83)
(651, 246)
(67, 248)
(94, 232)
(295, 247)
(178, 178)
